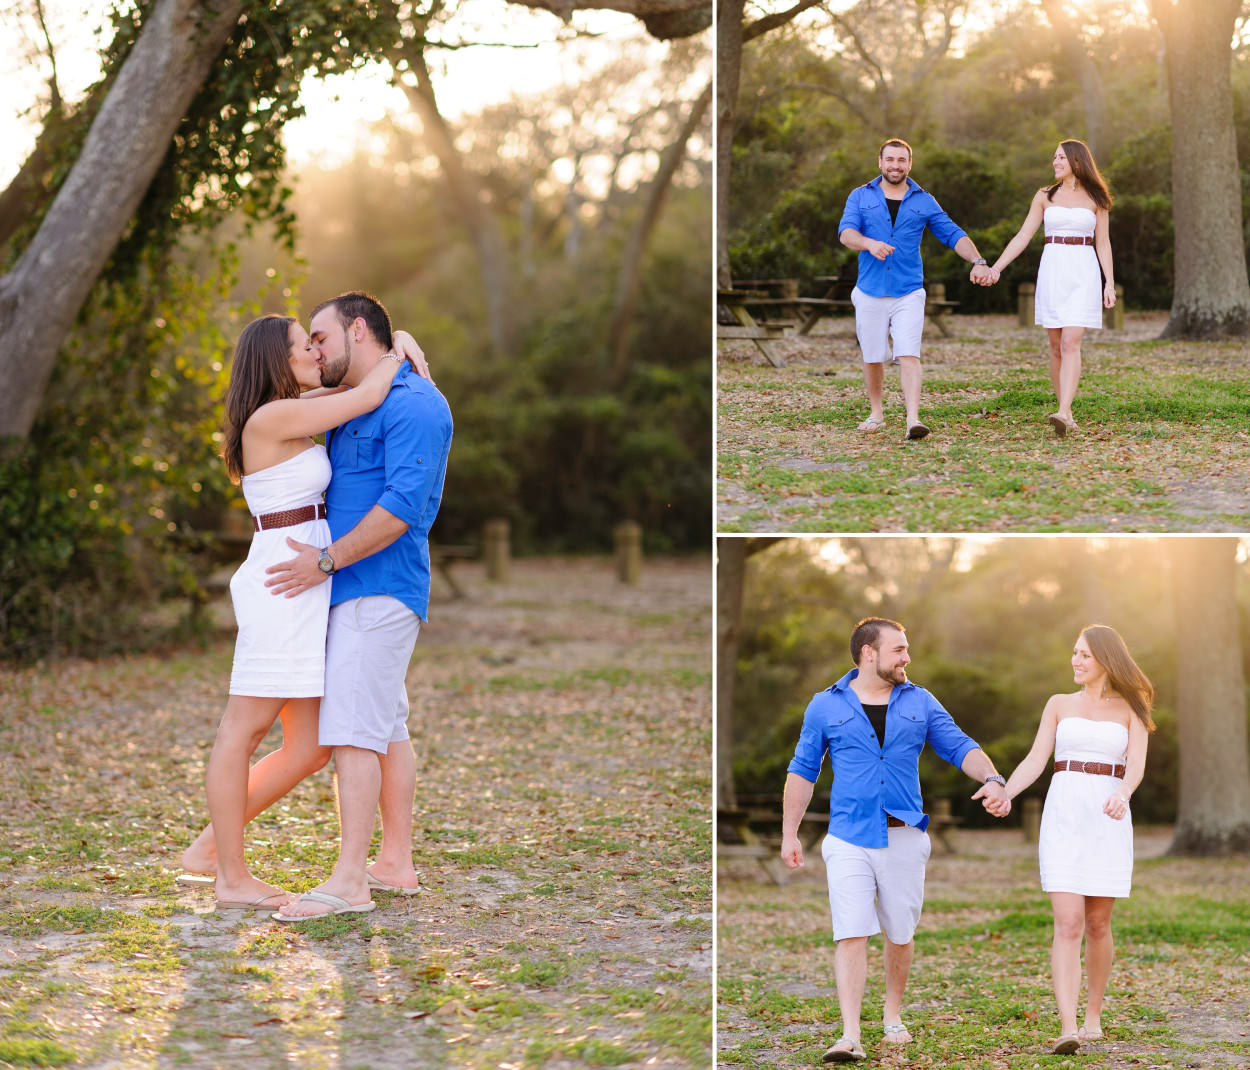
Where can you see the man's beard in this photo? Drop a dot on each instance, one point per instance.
(895, 181)
(891, 676)
(332, 373)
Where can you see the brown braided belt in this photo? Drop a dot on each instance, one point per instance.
(1097, 768)
(1067, 239)
(289, 517)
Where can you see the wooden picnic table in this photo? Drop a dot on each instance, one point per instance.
(735, 303)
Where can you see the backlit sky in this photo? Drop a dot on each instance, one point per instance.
(466, 80)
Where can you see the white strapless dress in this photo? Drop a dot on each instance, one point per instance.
(1069, 280)
(281, 649)
(1080, 848)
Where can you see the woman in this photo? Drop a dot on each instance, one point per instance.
(1070, 294)
(1099, 736)
(279, 656)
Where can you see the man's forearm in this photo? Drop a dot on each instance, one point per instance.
(798, 794)
(977, 765)
(853, 239)
(377, 529)
(965, 248)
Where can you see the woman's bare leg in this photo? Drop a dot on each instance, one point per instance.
(1065, 956)
(1099, 951)
(272, 777)
(1070, 367)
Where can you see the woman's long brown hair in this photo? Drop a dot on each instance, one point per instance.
(261, 373)
(1086, 171)
(1123, 675)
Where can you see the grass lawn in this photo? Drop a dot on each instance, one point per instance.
(979, 994)
(1163, 445)
(563, 730)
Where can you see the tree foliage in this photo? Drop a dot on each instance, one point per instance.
(817, 100)
(119, 474)
(991, 631)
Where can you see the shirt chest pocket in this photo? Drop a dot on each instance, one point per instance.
(910, 726)
(360, 446)
(841, 729)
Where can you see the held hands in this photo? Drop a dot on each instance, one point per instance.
(984, 275)
(879, 249)
(1116, 805)
(994, 798)
(297, 575)
(792, 852)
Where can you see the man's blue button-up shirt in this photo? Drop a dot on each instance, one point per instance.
(871, 780)
(395, 457)
(901, 272)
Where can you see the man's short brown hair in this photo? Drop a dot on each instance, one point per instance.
(894, 141)
(868, 633)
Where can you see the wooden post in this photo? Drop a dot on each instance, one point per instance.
(1024, 303)
(496, 549)
(936, 291)
(1113, 318)
(1031, 818)
(628, 538)
(788, 288)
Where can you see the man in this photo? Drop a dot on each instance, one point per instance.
(873, 723)
(885, 220)
(388, 468)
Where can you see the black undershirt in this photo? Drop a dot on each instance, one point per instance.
(876, 714)
(892, 205)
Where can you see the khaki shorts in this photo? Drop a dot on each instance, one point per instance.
(877, 889)
(369, 643)
(879, 319)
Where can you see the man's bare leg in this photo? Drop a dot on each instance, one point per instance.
(897, 966)
(399, 785)
(874, 380)
(270, 778)
(850, 971)
(359, 785)
(912, 376)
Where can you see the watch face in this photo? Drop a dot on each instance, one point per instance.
(326, 563)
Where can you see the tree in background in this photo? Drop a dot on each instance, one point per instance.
(119, 470)
(160, 63)
(1213, 815)
(731, 562)
(1212, 290)
(991, 630)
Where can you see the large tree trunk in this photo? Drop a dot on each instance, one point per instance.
(469, 200)
(1082, 66)
(731, 561)
(1211, 295)
(664, 19)
(728, 68)
(1214, 812)
(43, 294)
(630, 278)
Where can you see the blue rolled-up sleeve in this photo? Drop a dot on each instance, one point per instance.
(943, 227)
(809, 752)
(852, 214)
(950, 742)
(418, 433)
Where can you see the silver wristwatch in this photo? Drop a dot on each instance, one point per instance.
(996, 779)
(979, 260)
(325, 562)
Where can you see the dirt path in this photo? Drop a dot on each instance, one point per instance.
(563, 734)
(1164, 443)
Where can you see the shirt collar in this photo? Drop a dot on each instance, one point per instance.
(912, 184)
(845, 683)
